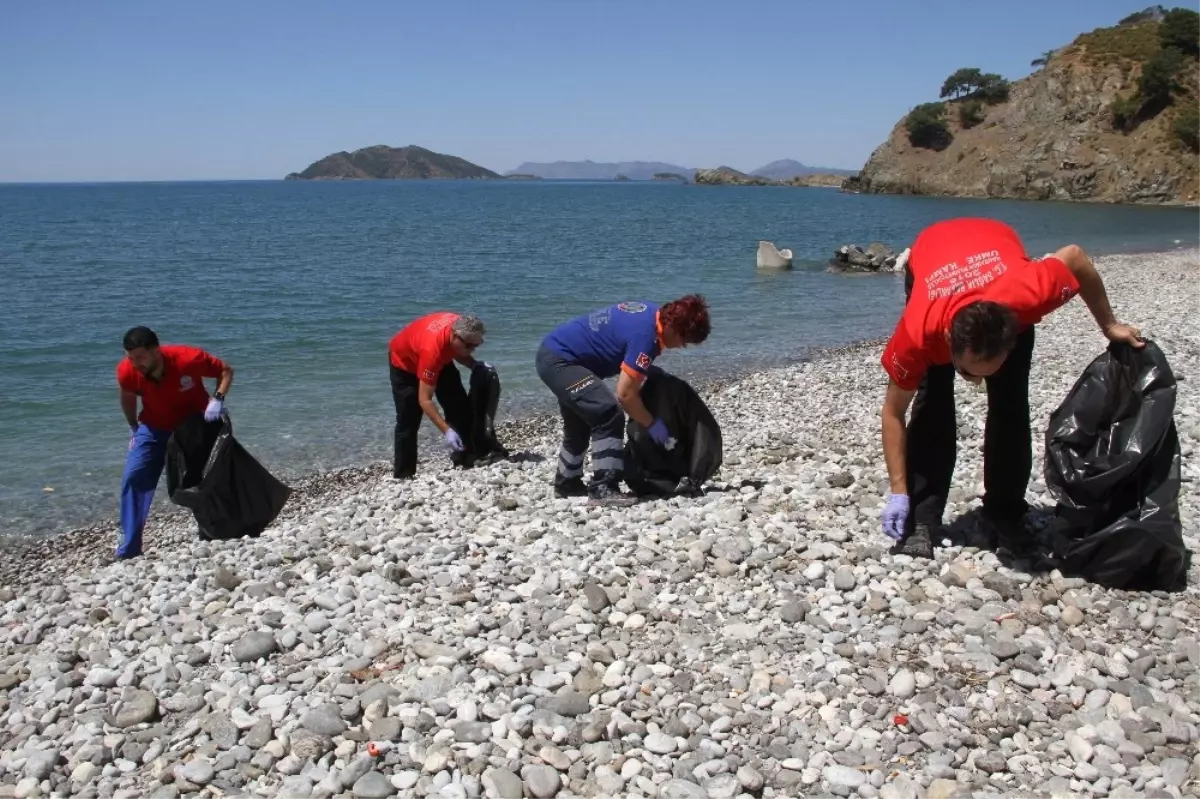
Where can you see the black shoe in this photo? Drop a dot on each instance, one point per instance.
(609, 495)
(1012, 536)
(570, 488)
(917, 544)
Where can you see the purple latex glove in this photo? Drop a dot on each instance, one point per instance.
(659, 432)
(895, 514)
(454, 440)
(213, 412)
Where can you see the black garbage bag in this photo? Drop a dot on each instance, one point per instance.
(1112, 463)
(483, 397)
(229, 492)
(651, 470)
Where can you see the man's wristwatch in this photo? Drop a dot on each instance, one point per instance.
(217, 395)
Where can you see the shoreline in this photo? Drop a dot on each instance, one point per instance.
(81, 501)
(337, 482)
(32, 560)
(758, 640)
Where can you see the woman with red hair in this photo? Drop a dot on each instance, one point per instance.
(622, 339)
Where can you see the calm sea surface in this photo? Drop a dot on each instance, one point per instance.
(300, 286)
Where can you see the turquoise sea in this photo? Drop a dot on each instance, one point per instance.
(300, 286)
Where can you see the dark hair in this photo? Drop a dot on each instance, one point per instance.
(138, 337)
(985, 329)
(687, 316)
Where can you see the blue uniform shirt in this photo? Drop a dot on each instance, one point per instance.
(619, 338)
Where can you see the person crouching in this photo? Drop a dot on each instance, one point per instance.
(421, 367)
(575, 359)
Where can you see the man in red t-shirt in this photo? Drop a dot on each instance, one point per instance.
(169, 379)
(420, 364)
(973, 298)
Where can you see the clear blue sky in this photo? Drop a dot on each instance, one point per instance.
(216, 89)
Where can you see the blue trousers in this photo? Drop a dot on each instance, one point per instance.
(143, 466)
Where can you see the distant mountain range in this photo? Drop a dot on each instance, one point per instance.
(392, 163)
(382, 162)
(593, 170)
(646, 170)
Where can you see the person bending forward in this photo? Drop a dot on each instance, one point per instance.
(420, 364)
(169, 380)
(973, 298)
(575, 358)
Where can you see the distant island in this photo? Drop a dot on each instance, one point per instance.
(381, 162)
(621, 177)
(728, 176)
(669, 176)
(789, 168)
(519, 176)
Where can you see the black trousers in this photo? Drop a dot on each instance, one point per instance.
(589, 411)
(1007, 439)
(455, 408)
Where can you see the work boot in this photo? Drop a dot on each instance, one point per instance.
(609, 495)
(1012, 536)
(917, 544)
(572, 487)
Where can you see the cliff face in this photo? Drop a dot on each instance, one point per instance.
(1054, 139)
(391, 163)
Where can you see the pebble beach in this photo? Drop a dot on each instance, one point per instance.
(467, 634)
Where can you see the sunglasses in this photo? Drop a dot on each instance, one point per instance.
(469, 345)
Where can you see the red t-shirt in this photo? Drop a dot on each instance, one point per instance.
(955, 263)
(179, 393)
(423, 348)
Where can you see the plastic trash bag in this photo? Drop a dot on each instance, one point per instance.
(483, 397)
(651, 470)
(1112, 463)
(229, 492)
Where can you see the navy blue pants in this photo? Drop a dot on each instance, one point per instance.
(143, 466)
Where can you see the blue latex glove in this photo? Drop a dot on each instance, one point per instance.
(454, 440)
(659, 432)
(895, 514)
(213, 412)
(132, 437)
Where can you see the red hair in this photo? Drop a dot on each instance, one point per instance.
(687, 316)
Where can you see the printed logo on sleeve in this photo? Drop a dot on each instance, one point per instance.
(631, 307)
(643, 360)
(427, 374)
(185, 383)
